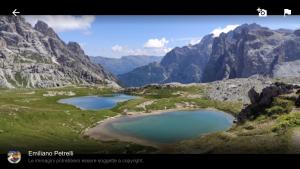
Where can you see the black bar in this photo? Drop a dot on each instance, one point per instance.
(167, 160)
(148, 7)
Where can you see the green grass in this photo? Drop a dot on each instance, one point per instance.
(130, 105)
(168, 103)
(31, 121)
(159, 92)
(169, 97)
(287, 121)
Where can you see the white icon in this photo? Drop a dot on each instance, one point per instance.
(262, 12)
(15, 12)
(287, 12)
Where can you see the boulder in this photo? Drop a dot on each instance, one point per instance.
(253, 95)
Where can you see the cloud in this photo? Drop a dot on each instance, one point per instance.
(117, 48)
(152, 47)
(156, 43)
(194, 41)
(216, 32)
(166, 50)
(62, 23)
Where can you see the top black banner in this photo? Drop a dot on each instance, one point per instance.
(147, 7)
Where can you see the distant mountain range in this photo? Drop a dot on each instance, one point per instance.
(124, 64)
(248, 50)
(37, 57)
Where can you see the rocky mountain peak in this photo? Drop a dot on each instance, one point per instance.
(248, 50)
(41, 26)
(246, 26)
(45, 29)
(75, 48)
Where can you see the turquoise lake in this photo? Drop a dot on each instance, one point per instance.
(172, 127)
(96, 102)
(164, 128)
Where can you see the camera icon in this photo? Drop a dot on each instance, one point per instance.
(262, 12)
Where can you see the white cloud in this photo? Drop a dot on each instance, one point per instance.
(216, 32)
(166, 50)
(61, 23)
(117, 48)
(156, 43)
(152, 47)
(194, 41)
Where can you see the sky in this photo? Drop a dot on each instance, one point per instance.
(115, 36)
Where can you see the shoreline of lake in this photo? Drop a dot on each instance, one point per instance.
(102, 130)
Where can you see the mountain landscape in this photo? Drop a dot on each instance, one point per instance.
(125, 63)
(36, 57)
(253, 49)
(235, 92)
(184, 65)
(248, 50)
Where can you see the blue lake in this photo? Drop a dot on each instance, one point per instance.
(96, 102)
(171, 127)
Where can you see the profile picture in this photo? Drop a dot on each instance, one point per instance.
(14, 157)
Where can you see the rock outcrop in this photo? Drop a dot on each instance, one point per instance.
(37, 57)
(260, 103)
(297, 102)
(236, 89)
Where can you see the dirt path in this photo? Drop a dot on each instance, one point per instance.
(296, 140)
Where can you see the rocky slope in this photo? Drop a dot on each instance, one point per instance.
(253, 49)
(236, 89)
(248, 50)
(125, 63)
(37, 57)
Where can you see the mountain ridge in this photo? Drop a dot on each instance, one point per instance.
(36, 57)
(176, 66)
(249, 49)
